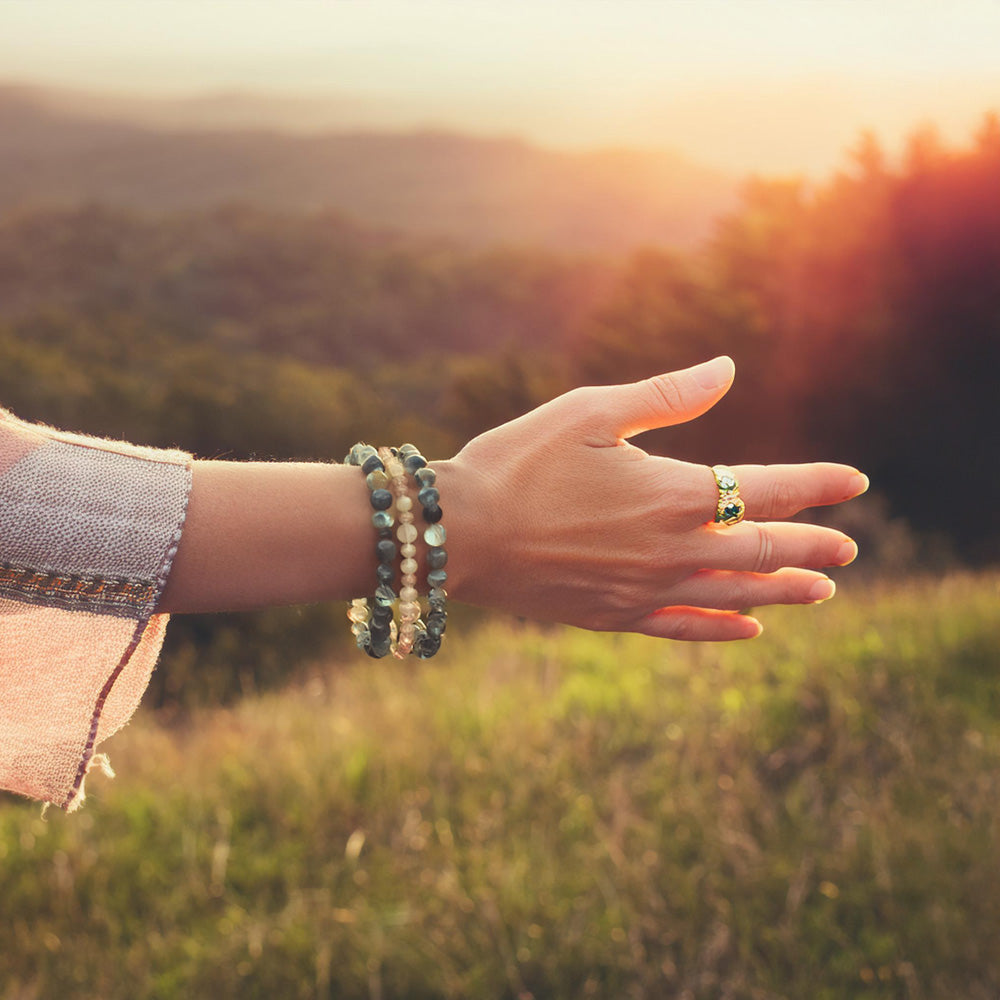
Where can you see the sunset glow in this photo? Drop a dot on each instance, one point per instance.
(775, 85)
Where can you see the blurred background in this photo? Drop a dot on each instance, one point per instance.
(267, 230)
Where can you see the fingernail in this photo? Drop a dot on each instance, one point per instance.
(715, 373)
(822, 590)
(847, 554)
(858, 484)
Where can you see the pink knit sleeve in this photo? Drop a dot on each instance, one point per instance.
(88, 531)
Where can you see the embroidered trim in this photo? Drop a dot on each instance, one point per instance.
(124, 598)
(75, 798)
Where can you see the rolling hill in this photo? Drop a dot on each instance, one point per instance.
(475, 191)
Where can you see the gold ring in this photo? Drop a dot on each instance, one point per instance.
(731, 508)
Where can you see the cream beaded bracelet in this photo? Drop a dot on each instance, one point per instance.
(428, 640)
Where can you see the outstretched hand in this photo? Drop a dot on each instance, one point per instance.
(556, 516)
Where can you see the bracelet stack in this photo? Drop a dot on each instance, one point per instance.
(373, 621)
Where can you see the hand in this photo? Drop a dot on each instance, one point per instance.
(555, 516)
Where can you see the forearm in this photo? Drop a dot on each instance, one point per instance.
(268, 533)
(262, 533)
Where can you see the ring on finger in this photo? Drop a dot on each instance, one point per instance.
(730, 508)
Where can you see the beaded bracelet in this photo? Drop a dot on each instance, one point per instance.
(374, 629)
(428, 638)
(409, 607)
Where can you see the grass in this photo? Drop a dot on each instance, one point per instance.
(546, 813)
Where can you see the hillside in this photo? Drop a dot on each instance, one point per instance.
(550, 814)
(475, 191)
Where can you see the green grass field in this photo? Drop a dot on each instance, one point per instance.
(551, 814)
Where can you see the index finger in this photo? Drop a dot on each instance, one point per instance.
(779, 491)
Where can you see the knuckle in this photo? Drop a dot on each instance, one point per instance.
(781, 499)
(679, 627)
(583, 406)
(665, 394)
(738, 595)
(766, 559)
(622, 600)
(583, 395)
(615, 606)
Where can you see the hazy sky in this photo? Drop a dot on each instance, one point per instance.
(771, 85)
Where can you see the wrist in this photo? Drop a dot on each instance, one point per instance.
(465, 501)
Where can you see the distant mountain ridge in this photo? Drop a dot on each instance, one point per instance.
(473, 191)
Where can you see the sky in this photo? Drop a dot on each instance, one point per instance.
(773, 86)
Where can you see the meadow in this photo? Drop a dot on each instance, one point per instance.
(547, 813)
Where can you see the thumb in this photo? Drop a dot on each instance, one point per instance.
(674, 398)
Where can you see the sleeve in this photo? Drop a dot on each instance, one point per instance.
(88, 531)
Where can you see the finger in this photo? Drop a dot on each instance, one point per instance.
(780, 491)
(699, 625)
(665, 400)
(731, 591)
(765, 547)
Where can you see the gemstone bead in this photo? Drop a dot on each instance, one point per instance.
(371, 464)
(413, 462)
(437, 557)
(408, 594)
(428, 496)
(382, 519)
(407, 533)
(380, 499)
(404, 503)
(427, 645)
(437, 577)
(408, 566)
(435, 535)
(381, 630)
(425, 476)
(408, 551)
(385, 550)
(385, 572)
(384, 595)
(378, 649)
(433, 514)
(381, 616)
(438, 595)
(377, 480)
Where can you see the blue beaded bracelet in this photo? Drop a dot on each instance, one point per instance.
(429, 633)
(374, 629)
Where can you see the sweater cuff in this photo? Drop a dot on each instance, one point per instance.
(88, 532)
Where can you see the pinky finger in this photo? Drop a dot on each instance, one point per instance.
(699, 625)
